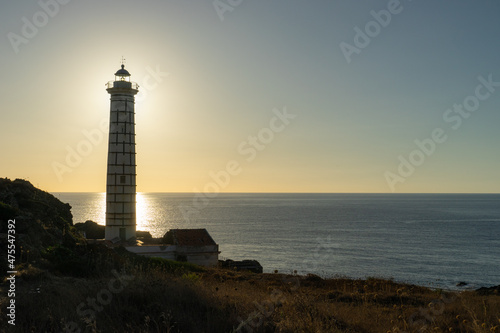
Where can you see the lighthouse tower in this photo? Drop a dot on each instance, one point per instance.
(121, 174)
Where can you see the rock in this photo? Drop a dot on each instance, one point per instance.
(244, 265)
(461, 284)
(91, 229)
(484, 291)
(41, 220)
(313, 278)
(20, 198)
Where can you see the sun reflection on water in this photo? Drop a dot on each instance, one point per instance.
(95, 210)
(142, 212)
(152, 216)
(155, 212)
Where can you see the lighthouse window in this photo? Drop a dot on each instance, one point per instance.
(122, 179)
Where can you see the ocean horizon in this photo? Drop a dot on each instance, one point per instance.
(435, 240)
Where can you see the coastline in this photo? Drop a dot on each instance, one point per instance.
(140, 291)
(356, 236)
(63, 283)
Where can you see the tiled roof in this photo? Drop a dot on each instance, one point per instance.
(191, 237)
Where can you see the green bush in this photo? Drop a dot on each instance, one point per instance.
(7, 212)
(165, 265)
(67, 261)
(191, 276)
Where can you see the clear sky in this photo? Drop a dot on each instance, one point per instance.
(354, 90)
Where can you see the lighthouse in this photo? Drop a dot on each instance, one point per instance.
(121, 171)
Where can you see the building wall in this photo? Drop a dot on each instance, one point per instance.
(199, 255)
(165, 252)
(112, 232)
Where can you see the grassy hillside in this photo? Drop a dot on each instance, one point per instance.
(126, 293)
(66, 285)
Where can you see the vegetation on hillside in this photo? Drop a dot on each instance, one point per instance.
(65, 284)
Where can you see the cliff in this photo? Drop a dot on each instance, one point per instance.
(41, 220)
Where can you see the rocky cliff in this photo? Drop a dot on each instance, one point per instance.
(41, 220)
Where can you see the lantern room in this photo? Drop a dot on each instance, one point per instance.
(122, 74)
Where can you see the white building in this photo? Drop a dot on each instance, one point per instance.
(192, 245)
(121, 174)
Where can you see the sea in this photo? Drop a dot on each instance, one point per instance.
(433, 240)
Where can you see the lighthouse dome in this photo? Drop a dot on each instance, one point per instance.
(122, 72)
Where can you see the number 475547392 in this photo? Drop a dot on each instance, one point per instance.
(11, 247)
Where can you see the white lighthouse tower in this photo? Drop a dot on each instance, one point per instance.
(121, 174)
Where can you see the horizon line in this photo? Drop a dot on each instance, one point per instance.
(172, 192)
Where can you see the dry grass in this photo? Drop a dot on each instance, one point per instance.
(171, 298)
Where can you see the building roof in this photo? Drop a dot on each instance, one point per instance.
(190, 237)
(122, 72)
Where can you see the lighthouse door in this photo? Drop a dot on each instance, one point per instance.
(123, 234)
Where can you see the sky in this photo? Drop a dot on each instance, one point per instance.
(256, 96)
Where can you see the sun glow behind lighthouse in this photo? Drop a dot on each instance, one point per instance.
(354, 120)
